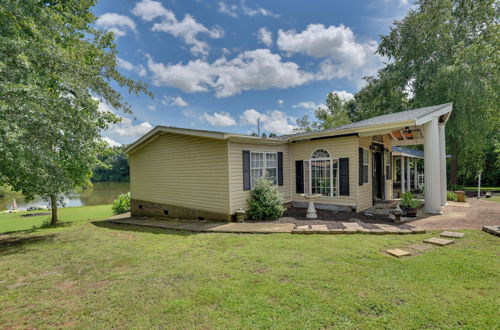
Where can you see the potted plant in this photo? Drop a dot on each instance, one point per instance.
(410, 204)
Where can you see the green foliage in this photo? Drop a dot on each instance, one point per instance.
(266, 202)
(121, 204)
(410, 201)
(334, 114)
(443, 51)
(451, 196)
(113, 166)
(54, 66)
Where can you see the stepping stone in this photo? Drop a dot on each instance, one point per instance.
(495, 230)
(319, 228)
(398, 253)
(438, 241)
(452, 234)
(417, 230)
(302, 227)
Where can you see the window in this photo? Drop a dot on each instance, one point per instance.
(321, 174)
(365, 165)
(262, 164)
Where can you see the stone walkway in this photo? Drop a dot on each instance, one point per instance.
(261, 228)
(457, 216)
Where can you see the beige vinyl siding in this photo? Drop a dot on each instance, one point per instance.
(341, 147)
(182, 170)
(365, 192)
(238, 195)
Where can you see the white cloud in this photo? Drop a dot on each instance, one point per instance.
(257, 69)
(234, 10)
(231, 10)
(280, 102)
(251, 116)
(344, 95)
(176, 101)
(126, 65)
(257, 11)
(344, 55)
(152, 107)
(219, 119)
(116, 23)
(265, 36)
(128, 129)
(187, 29)
(111, 142)
(306, 105)
(273, 121)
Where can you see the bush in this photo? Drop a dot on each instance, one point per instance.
(451, 196)
(266, 202)
(121, 204)
(410, 201)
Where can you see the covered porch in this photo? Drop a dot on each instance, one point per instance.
(424, 126)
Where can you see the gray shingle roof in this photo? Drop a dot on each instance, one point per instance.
(413, 152)
(384, 119)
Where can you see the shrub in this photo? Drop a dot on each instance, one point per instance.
(451, 196)
(266, 202)
(121, 204)
(410, 201)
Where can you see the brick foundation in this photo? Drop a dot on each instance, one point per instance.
(152, 209)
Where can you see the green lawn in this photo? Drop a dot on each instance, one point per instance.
(494, 199)
(15, 221)
(99, 275)
(482, 188)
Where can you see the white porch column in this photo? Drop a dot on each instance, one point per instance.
(442, 161)
(415, 174)
(408, 174)
(402, 172)
(432, 167)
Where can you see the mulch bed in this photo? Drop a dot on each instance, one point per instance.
(332, 219)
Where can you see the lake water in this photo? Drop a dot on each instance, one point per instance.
(100, 193)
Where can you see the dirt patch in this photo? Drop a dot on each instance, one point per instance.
(97, 285)
(66, 285)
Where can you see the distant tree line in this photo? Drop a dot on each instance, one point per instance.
(113, 166)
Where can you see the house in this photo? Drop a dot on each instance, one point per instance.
(189, 173)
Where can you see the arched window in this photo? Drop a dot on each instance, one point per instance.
(321, 173)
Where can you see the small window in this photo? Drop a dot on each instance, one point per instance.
(365, 165)
(263, 164)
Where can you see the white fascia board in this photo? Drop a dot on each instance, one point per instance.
(446, 109)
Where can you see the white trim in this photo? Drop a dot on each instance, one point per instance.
(447, 108)
(331, 160)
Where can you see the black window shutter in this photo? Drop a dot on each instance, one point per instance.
(246, 170)
(344, 176)
(360, 166)
(299, 176)
(280, 168)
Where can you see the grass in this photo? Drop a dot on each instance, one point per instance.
(15, 221)
(99, 275)
(482, 188)
(494, 199)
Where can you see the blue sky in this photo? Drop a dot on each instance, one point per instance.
(220, 65)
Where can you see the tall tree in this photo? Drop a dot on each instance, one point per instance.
(54, 66)
(444, 51)
(334, 113)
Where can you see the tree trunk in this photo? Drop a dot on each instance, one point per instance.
(53, 205)
(454, 170)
